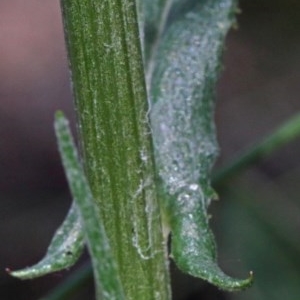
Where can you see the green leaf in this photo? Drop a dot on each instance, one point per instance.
(68, 288)
(182, 118)
(152, 18)
(108, 285)
(64, 250)
(286, 133)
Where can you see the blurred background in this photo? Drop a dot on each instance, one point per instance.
(256, 221)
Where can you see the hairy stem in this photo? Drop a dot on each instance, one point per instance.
(111, 105)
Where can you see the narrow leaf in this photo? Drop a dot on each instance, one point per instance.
(72, 284)
(286, 133)
(108, 285)
(182, 91)
(64, 250)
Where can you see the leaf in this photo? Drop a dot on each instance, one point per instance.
(286, 133)
(108, 284)
(154, 16)
(63, 252)
(182, 118)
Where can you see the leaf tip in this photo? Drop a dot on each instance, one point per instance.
(240, 285)
(20, 274)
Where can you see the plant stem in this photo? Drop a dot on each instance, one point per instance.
(111, 105)
(286, 133)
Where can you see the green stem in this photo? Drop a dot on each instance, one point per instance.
(111, 105)
(286, 133)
